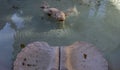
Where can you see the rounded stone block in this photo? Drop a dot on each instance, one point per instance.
(36, 56)
(84, 56)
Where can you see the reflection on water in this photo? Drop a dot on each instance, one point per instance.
(96, 23)
(6, 42)
(18, 21)
(98, 10)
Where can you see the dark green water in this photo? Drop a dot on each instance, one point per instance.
(23, 22)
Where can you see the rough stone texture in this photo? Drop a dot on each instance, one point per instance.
(78, 56)
(37, 56)
(84, 56)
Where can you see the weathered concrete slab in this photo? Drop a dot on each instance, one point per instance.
(78, 56)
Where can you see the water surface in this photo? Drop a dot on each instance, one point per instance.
(23, 22)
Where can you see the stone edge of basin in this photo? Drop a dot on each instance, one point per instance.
(89, 57)
(83, 56)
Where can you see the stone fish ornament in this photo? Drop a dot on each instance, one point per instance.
(78, 56)
(56, 13)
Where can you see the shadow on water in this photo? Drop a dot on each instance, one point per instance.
(97, 24)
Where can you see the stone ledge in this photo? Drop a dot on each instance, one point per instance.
(78, 56)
